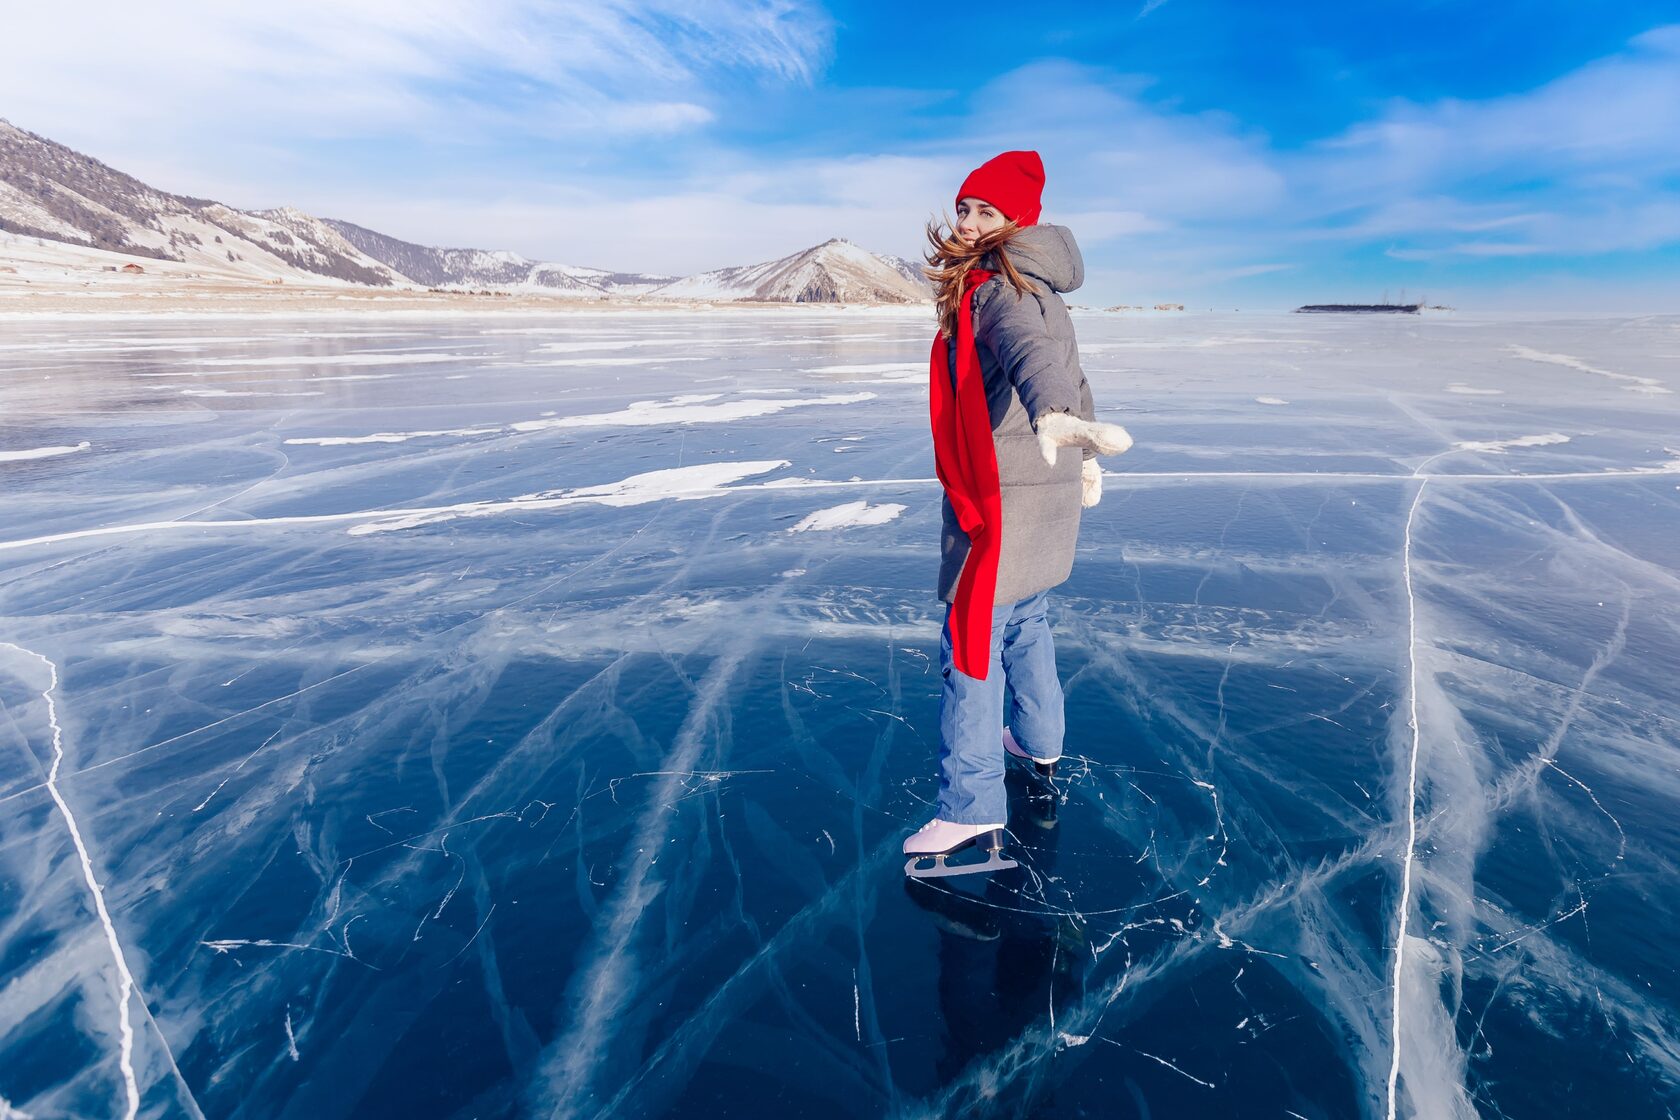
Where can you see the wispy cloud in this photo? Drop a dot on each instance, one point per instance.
(634, 134)
(1467, 249)
(1620, 113)
(1584, 163)
(1188, 200)
(1243, 272)
(181, 79)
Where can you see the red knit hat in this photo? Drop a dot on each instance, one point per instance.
(1013, 182)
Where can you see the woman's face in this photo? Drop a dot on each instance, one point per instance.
(975, 218)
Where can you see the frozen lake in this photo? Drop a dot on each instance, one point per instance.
(520, 716)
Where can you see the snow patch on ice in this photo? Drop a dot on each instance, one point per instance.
(848, 515)
(873, 367)
(366, 358)
(1498, 446)
(700, 480)
(886, 373)
(42, 452)
(688, 409)
(618, 361)
(706, 480)
(1473, 391)
(598, 344)
(1636, 384)
(1270, 400)
(389, 437)
(250, 393)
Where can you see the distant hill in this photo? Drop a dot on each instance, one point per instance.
(485, 268)
(52, 192)
(911, 271)
(836, 271)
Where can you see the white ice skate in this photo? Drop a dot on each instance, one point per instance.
(1046, 767)
(930, 846)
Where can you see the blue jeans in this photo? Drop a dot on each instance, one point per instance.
(971, 712)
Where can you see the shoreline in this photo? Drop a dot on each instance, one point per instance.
(177, 302)
(47, 280)
(61, 306)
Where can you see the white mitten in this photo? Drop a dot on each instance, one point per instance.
(1090, 483)
(1063, 429)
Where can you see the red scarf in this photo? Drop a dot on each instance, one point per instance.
(966, 459)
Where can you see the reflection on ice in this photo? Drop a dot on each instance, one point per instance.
(524, 734)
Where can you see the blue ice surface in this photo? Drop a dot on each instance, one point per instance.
(415, 783)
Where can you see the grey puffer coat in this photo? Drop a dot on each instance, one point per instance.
(1029, 360)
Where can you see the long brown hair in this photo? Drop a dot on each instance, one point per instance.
(950, 258)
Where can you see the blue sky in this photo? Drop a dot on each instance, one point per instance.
(1502, 155)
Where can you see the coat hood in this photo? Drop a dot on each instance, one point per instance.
(1048, 253)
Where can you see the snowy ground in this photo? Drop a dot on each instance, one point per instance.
(495, 716)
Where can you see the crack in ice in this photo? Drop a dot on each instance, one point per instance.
(127, 989)
(526, 503)
(1401, 917)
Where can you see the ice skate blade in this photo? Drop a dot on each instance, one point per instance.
(940, 868)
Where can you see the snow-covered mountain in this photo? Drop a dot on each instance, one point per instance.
(52, 192)
(498, 269)
(911, 271)
(836, 271)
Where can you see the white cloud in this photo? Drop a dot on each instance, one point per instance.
(1582, 164)
(1095, 226)
(1467, 249)
(302, 103)
(1620, 113)
(1118, 169)
(1244, 271)
(1105, 148)
(188, 80)
(1625, 220)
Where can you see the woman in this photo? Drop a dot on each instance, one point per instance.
(1007, 395)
